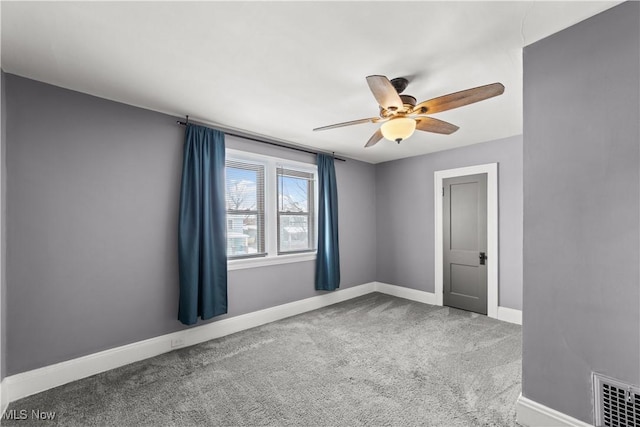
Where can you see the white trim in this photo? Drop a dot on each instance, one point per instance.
(406, 293)
(239, 264)
(532, 413)
(41, 379)
(271, 163)
(35, 381)
(505, 314)
(243, 155)
(510, 315)
(491, 169)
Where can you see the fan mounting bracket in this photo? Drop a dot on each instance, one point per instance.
(399, 84)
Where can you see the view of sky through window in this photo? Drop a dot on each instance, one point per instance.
(293, 194)
(241, 189)
(244, 210)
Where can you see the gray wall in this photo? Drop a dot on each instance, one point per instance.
(582, 210)
(92, 196)
(405, 215)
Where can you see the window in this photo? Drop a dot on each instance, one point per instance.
(295, 211)
(271, 214)
(245, 209)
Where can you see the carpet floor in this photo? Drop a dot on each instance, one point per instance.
(373, 360)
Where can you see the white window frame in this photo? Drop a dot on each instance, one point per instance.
(271, 214)
(260, 212)
(310, 213)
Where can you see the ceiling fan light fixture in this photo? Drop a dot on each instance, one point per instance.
(394, 109)
(398, 128)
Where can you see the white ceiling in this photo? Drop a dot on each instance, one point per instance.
(280, 69)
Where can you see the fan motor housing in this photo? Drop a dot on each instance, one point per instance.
(408, 101)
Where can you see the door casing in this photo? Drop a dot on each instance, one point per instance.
(491, 169)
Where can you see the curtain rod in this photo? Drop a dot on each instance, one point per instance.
(267, 141)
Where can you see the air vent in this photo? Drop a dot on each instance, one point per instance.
(616, 404)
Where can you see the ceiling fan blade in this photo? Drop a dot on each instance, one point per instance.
(429, 124)
(377, 136)
(384, 92)
(459, 99)
(353, 122)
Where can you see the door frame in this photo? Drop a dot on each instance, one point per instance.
(491, 169)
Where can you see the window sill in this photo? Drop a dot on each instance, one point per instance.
(240, 264)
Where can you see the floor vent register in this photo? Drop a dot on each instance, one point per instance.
(616, 404)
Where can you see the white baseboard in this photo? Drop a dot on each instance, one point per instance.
(41, 379)
(35, 381)
(505, 314)
(510, 315)
(531, 413)
(406, 293)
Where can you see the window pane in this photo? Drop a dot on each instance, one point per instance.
(293, 194)
(242, 235)
(294, 233)
(245, 208)
(242, 188)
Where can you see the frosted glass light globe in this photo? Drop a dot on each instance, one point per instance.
(398, 129)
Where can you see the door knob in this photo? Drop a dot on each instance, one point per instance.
(483, 258)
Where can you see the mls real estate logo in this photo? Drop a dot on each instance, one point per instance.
(23, 414)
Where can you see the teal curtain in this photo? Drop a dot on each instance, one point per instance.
(202, 252)
(328, 259)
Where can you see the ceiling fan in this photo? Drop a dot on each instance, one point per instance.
(401, 116)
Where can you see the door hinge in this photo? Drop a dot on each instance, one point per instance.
(442, 191)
